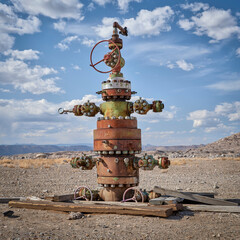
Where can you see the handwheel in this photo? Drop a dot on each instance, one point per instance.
(107, 56)
(137, 194)
(82, 192)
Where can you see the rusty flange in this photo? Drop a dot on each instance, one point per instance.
(116, 92)
(118, 145)
(117, 123)
(117, 133)
(118, 180)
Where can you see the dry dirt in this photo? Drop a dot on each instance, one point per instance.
(221, 176)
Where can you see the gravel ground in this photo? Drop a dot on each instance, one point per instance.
(220, 176)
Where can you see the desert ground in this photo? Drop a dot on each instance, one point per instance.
(44, 177)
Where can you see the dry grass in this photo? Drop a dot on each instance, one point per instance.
(33, 163)
(179, 161)
(227, 158)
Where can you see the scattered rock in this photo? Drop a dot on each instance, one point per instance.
(75, 215)
(41, 155)
(8, 213)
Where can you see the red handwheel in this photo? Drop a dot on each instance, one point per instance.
(106, 57)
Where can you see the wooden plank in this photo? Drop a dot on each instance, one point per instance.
(63, 198)
(84, 208)
(165, 200)
(49, 198)
(131, 204)
(194, 197)
(8, 199)
(60, 198)
(206, 194)
(175, 207)
(157, 201)
(211, 208)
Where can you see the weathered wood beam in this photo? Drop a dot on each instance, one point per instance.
(211, 208)
(8, 199)
(94, 208)
(194, 197)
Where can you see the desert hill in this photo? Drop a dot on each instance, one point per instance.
(225, 146)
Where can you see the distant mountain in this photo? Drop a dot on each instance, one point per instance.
(32, 148)
(149, 147)
(229, 144)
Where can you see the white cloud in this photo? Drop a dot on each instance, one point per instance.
(102, 2)
(150, 22)
(80, 29)
(224, 108)
(238, 52)
(76, 67)
(105, 30)
(90, 7)
(4, 90)
(203, 118)
(51, 8)
(123, 4)
(226, 86)
(28, 54)
(195, 7)
(222, 26)
(167, 53)
(35, 80)
(185, 24)
(170, 65)
(88, 42)
(229, 110)
(6, 42)
(152, 117)
(64, 44)
(38, 121)
(219, 127)
(63, 69)
(146, 23)
(60, 26)
(10, 23)
(154, 136)
(184, 65)
(220, 117)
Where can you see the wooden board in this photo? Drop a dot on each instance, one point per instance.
(210, 208)
(165, 200)
(8, 199)
(206, 194)
(60, 198)
(94, 208)
(175, 207)
(110, 203)
(194, 197)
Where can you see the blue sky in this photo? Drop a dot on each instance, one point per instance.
(185, 53)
